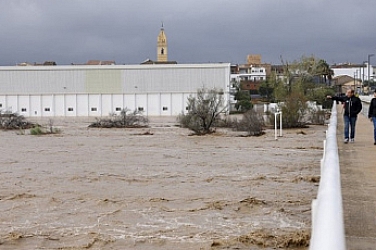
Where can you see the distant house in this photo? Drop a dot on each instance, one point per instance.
(24, 64)
(99, 62)
(359, 71)
(46, 63)
(148, 61)
(278, 71)
(234, 69)
(249, 76)
(344, 82)
(49, 63)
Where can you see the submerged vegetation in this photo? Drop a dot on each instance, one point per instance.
(13, 121)
(204, 110)
(49, 129)
(126, 119)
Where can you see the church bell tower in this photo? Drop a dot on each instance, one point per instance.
(162, 46)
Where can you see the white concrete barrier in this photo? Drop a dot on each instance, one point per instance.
(366, 100)
(328, 231)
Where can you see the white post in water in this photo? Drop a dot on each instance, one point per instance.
(278, 113)
(280, 123)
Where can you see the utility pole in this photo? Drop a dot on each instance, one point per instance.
(363, 71)
(368, 66)
(354, 81)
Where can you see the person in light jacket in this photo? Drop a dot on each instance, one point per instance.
(372, 115)
(352, 107)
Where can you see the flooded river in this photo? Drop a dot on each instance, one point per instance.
(157, 188)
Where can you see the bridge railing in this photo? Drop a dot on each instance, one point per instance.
(328, 231)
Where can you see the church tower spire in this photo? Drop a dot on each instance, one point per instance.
(162, 46)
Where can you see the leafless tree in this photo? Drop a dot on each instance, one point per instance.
(127, 118)
(203, 110)
(251, 122)
(10, 120)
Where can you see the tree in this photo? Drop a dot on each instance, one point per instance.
(267, 87)
(319, 94)
(265, 90)
(126, 119)
(294, 110)
(324, 71)
(203, 110)
(296, 88)
(252, 122)
(369, 83)
(243, 100)
(242, 97)
(314, 69)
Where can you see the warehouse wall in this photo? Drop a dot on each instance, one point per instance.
(101, 90)
(156, 104)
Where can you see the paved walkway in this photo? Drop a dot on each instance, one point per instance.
(358, 180)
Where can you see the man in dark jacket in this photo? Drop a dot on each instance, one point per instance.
(352, 107)
(372, 115)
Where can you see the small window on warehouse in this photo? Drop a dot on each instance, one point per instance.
(47, 109)
(93, 109)
(118, 109)
(23, 110)
(1, 105)
(70, 109)
(165, 108)
(140, 108)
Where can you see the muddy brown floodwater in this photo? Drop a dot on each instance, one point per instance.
(157, 188)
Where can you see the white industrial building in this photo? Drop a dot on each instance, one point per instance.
(363, 72)
(59, 91)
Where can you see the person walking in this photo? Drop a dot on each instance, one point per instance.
(352, 107)
(372, 115)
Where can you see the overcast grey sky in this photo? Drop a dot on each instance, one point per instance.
(198, 31)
